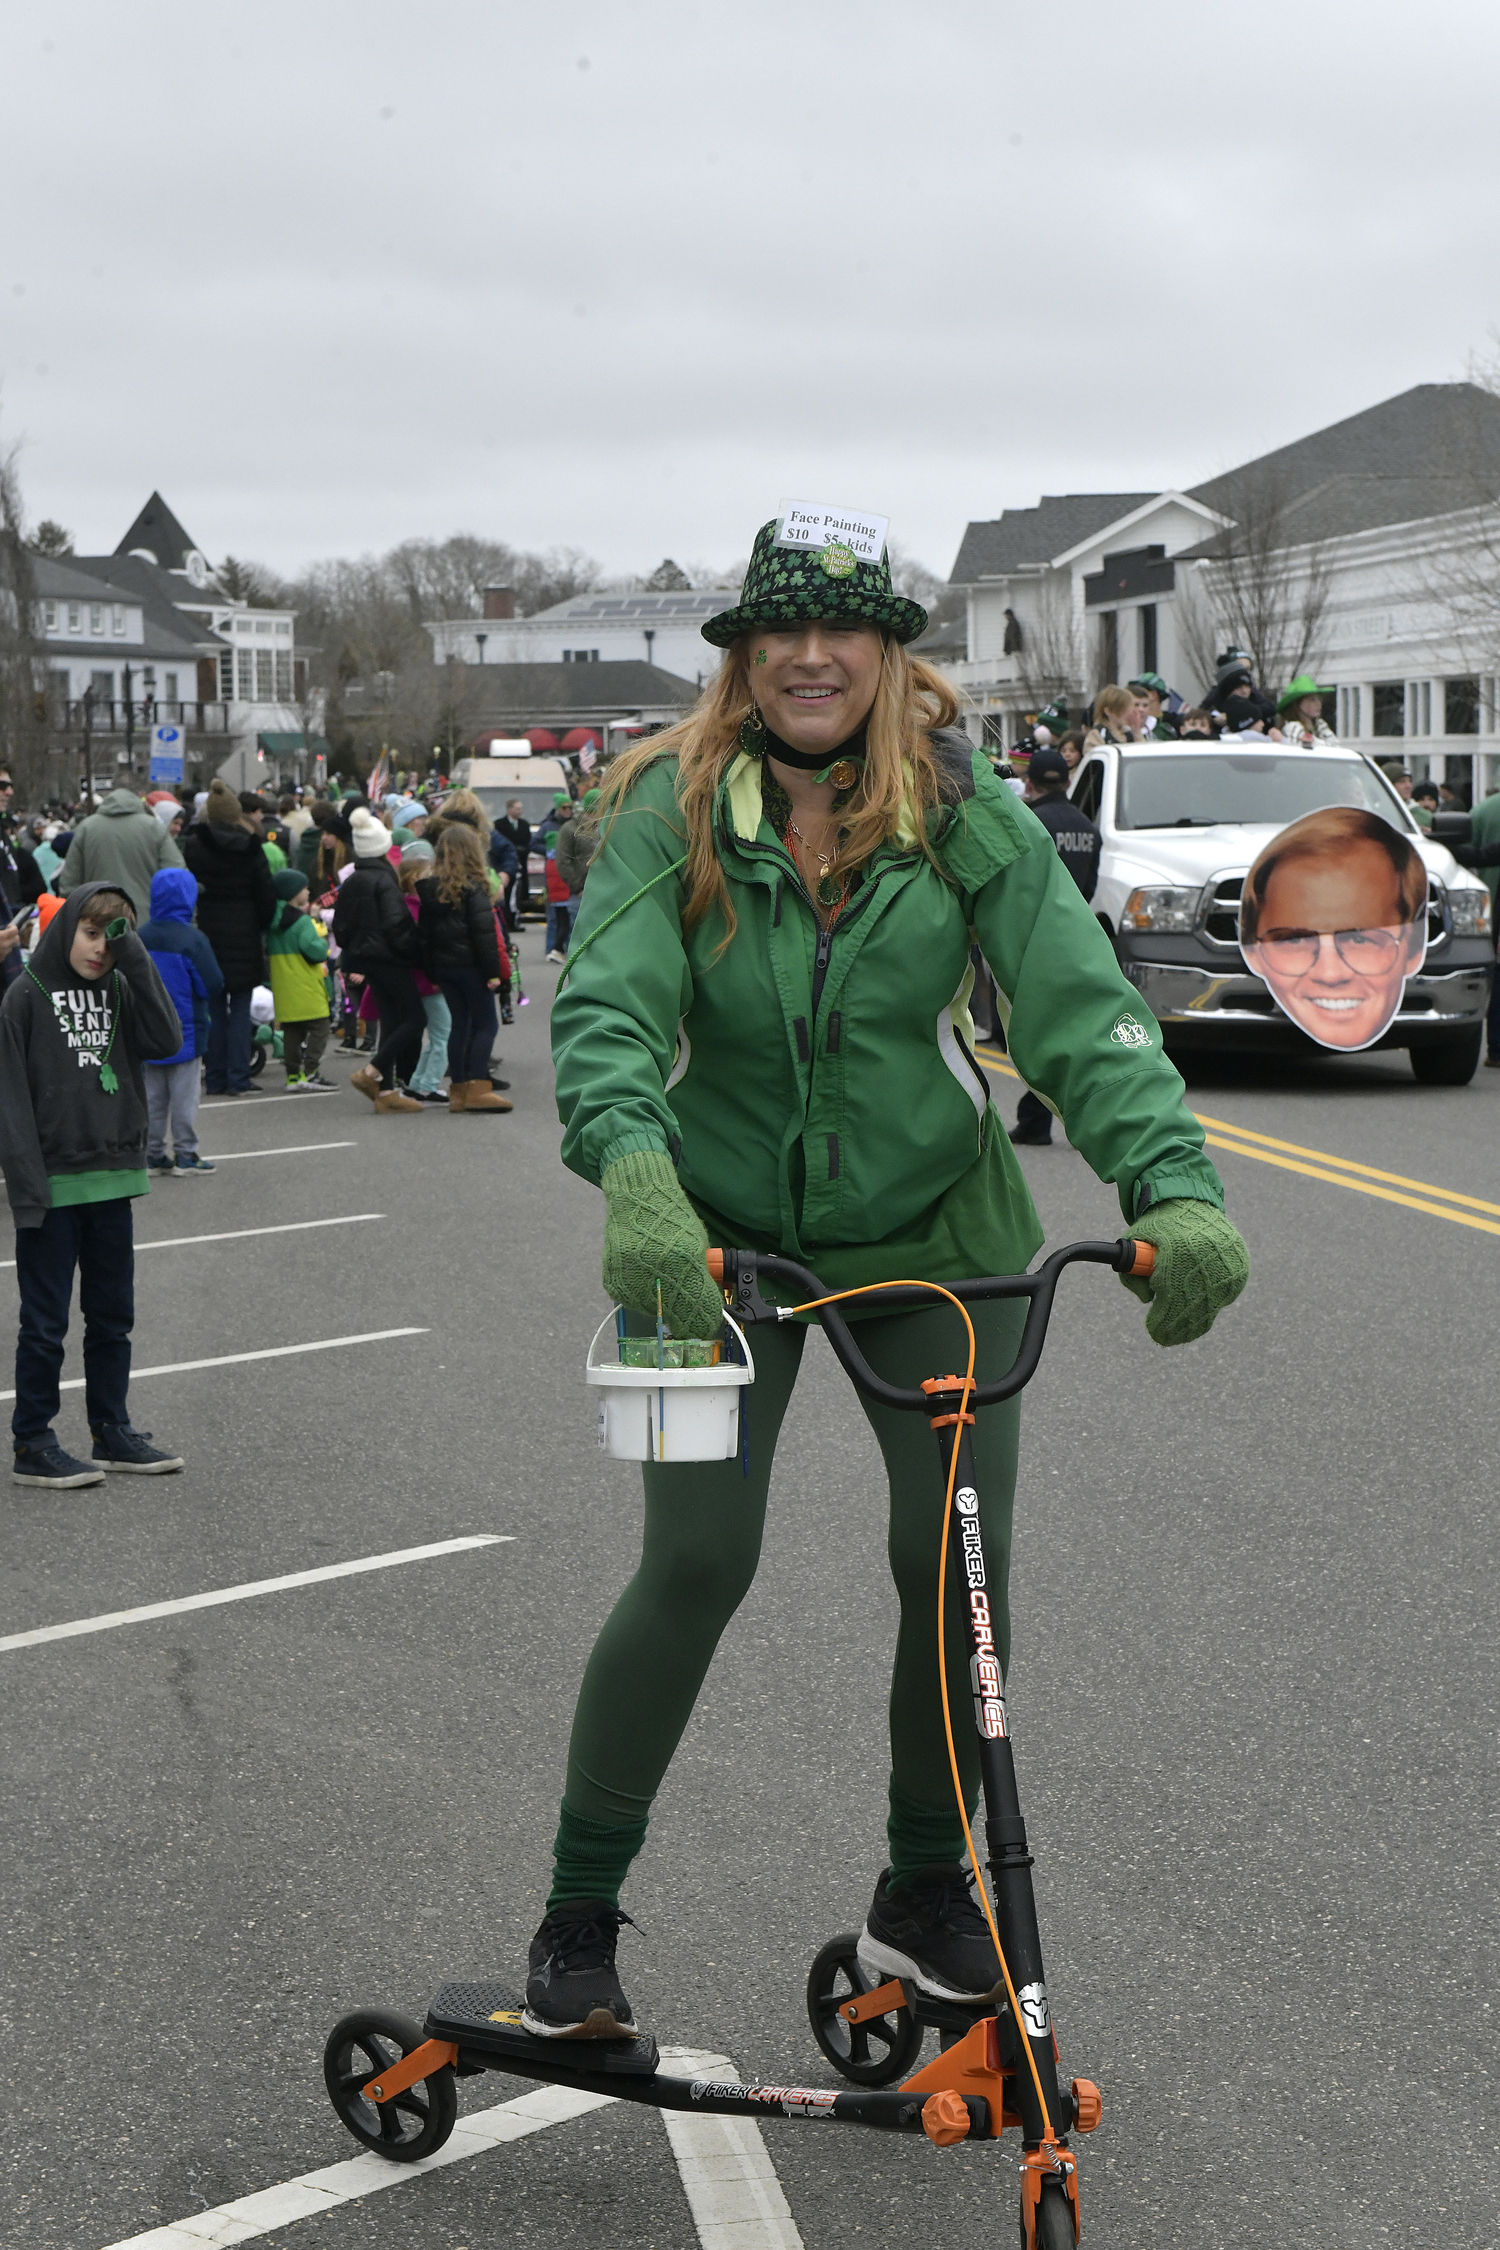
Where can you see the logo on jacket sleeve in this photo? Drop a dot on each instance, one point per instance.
(1128, 1032)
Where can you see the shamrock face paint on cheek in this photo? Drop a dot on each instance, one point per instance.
(760, 656)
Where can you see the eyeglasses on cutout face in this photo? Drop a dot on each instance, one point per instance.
(1368, 952)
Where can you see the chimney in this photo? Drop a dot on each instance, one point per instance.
(499, 601)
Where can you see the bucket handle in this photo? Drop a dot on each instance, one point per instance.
(729, 1320)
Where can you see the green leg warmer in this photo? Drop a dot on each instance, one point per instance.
(699, 1555)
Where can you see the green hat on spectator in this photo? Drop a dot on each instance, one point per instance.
(1302, 685)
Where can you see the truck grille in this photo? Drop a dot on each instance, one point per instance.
(1221, 923)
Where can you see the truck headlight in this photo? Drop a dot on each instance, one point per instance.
(1160, 910)
(1469, 911)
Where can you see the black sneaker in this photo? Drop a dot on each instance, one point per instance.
(931, 1931)
(1030, 1136)
(120, 1447)
(48, 1464)
(572, 1991)
(162, 1168)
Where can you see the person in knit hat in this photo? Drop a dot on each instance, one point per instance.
(378, 943)
(298, 952)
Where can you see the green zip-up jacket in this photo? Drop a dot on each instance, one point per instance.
(295, 956)
(818, 1091)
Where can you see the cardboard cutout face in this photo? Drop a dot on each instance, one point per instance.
(1333, 919)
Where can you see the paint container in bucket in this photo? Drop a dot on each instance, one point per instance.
(668, 1413)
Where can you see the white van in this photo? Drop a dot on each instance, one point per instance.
(494, 781)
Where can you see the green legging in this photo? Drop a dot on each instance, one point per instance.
(698, 1558)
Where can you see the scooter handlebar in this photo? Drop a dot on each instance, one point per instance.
(739, 1272)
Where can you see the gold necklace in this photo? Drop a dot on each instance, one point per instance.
(824, 859)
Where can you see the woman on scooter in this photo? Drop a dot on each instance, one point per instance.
(770, 1047)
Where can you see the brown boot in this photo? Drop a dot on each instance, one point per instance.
(367, 1079)
(480, 1094)
(396, 1100)
(458, 1095)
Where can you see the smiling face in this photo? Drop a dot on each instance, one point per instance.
(815, 684)
(1342, 994)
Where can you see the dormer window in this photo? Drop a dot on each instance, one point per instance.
(118, 619)
(96, 617)
(75, 618)
(49, 616)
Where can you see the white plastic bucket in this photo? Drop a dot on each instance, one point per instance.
(668, 1413)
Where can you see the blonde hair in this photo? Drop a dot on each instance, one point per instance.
(1112, 702)
(462, 804)
(911, 701)
(458, 863)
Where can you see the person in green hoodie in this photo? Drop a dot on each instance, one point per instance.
(296, 951)
(763, 1040)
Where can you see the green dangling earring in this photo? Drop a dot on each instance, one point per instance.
(752, 734)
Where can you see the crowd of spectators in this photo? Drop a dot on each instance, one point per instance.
(282, 922)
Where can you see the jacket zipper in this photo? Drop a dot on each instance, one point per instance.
(820, 964)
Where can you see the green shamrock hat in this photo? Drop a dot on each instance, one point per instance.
(797, 585)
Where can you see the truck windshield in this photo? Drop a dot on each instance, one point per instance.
(1226, 787)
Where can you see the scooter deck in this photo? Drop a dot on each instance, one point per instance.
(485, 2019)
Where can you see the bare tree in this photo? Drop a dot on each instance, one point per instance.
(1264, 586)
(24, 731)
(1051, 652)
(912, 578)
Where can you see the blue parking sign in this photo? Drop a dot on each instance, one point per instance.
(166, 755)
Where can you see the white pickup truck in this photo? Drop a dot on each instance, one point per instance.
(1181, 825)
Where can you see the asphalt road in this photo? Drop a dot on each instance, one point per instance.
(1254, 1692)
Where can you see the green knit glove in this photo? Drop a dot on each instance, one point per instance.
(1201, 1266)
(652, 1233)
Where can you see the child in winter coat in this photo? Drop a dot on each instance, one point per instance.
(297, 952)
(76, 1028)
(189, 968)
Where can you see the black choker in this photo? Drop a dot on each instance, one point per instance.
(812, 761)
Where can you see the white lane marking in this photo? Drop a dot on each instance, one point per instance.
(729, 2180)
(300, 1148)
(241, 1234)
(218, 1103)
(336, 2184)
(237, 1359)
(222, 1594)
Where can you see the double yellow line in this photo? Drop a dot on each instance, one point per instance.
(1337, 1171)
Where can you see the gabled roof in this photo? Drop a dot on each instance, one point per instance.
(58, 579)
(154, 588)
(1427, 452)
(1019, 536)
(158, 529)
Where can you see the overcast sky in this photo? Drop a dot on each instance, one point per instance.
(622, 276)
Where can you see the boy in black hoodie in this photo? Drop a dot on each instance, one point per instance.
(75, 1029)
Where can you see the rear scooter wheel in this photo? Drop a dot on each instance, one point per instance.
(411, 2124)
(872, 2053)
